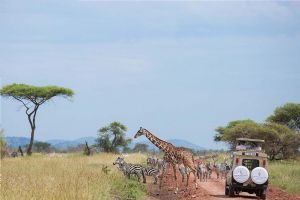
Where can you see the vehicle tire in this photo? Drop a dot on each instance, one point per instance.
(263, 194)
(226, 190)
(231, 191)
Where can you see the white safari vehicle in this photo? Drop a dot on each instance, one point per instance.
(249, 169)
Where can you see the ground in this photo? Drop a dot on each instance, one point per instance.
(211, 190)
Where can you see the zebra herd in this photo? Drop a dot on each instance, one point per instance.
(156, 166)
(135, 169)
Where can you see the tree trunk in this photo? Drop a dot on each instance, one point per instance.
(32, 125)
(29, 152)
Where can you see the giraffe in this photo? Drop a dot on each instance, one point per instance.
(174, 155)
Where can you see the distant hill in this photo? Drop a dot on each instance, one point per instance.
(14, 142)
(176, 142)
(64, 144)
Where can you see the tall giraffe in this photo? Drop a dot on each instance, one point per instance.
(174, 155)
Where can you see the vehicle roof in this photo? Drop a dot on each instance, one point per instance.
(250, 140)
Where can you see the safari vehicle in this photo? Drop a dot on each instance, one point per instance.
(249, 169)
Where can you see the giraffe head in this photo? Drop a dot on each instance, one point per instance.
(140, 132)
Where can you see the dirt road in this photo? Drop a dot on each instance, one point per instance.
(211, 190)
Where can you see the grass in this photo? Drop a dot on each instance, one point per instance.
(285, 175)
(68, 177)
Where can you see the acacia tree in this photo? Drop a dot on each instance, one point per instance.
(32, 97)
(288, 114)
(280, 141)
(113, 136)
(140, 147)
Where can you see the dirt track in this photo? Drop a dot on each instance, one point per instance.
(211, 190)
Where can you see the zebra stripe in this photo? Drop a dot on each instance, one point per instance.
(129, 169)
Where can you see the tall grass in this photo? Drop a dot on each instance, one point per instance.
(285, 175)
(67, 177)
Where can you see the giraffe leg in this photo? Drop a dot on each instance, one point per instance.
(175, 177)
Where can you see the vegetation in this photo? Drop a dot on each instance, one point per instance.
(112, 137)
(289, 115)
(70, 176)
(2, 144)
(41, 147)
(282, 140)
(140, 147)
(32, 97)
(285, 174)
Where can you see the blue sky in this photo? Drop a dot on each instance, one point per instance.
(179, 69)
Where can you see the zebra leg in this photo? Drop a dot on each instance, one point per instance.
(138, 176)
(201, 176)
(175, 177)
(195, 179)
(144, 176)
(155, 179)
(187, 178)
(182, 175)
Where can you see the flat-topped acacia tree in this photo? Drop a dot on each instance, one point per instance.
(32, 97)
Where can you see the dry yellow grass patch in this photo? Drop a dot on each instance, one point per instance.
(70, 176)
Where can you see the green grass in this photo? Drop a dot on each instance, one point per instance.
(285, 175)
(68, 177)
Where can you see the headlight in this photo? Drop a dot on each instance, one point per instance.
(259, 175)
(241, 174)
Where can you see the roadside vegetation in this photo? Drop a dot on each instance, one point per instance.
(68, 176)
(285, 174)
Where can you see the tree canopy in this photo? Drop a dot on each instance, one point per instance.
(32, 97)
(34, 94)
(288, 114)
(112, 137)
(280, 141)
(140, 147)
(42, 147)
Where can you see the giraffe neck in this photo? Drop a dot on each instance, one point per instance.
(162, 145)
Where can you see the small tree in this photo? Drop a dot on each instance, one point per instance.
(113, 136)
(41, 147)
(140, 147)
(289, 115)
(32, 97)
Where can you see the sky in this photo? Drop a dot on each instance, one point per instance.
(180, 69)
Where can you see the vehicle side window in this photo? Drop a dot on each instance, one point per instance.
(250, 163)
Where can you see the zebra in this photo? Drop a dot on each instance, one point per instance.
(14, 154)
(129, 169)
(221, 169)
(152, 161)
(161, 164)
(224, 169)
(202, 172)
(209, 169)
(184, 171)
(151, 171)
